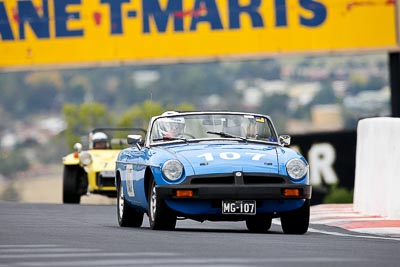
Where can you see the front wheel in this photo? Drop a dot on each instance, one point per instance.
(296, 222)
(160, 216)
(127, 216)
(71, 185)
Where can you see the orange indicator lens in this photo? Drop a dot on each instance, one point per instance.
(184, 193)
(291, 192)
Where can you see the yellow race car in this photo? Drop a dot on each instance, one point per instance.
(92, 170)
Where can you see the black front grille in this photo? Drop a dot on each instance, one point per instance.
(105, 180)
(251, 179)
(214, 180)
(246, 179)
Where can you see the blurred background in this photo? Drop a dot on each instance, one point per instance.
(316, 67)
(44, 112)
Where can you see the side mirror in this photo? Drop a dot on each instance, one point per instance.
(285, 140)
(134, 139)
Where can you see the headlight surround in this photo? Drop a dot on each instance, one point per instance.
(85, 158)
(172, 169)
(296, 168)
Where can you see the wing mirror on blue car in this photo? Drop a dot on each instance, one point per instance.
(285, 140)
(135, 139)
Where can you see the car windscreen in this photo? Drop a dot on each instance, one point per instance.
(212, 126)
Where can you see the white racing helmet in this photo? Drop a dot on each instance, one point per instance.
(100, 141)
(173, 125)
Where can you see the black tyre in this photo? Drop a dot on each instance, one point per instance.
(127, 216)
(296, 222)
(258, 224)
(71, 193)
(160, 216)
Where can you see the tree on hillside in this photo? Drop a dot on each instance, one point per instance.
(44, 87)
(80, 90)
(324, 96)
(139, 115)
(359, 83)
(83, 118)
(274, 106)
(13, 161)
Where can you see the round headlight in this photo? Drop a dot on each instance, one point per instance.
(296, 168)
(172, 169)
(85, 158)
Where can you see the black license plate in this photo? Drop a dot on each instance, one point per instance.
(238, 207)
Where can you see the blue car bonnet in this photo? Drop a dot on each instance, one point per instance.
(226, 158)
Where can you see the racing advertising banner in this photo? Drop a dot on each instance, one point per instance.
(43, 32)
(332, 159)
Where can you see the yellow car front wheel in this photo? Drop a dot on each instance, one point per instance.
(71, 193)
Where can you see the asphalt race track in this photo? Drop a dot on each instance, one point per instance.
(89, 235)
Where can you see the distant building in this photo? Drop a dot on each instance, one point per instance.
(326, 118)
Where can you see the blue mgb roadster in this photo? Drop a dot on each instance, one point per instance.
(217, 166)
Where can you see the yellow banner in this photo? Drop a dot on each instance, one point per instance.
(38, 32)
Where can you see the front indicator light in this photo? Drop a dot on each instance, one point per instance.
(184, 193)
(288, 192)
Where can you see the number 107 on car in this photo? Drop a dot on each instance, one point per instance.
(238, 207)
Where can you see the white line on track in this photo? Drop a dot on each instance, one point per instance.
(93, 254)
(41, 250)
(29, 246)
(189, 261)
(278, 222)
(350, 235)
(330, 221)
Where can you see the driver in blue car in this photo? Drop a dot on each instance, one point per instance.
(171, 127)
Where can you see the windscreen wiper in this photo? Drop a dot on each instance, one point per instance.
(227, 135)
(170, 138)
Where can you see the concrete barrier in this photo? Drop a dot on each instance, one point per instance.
(377, 175)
